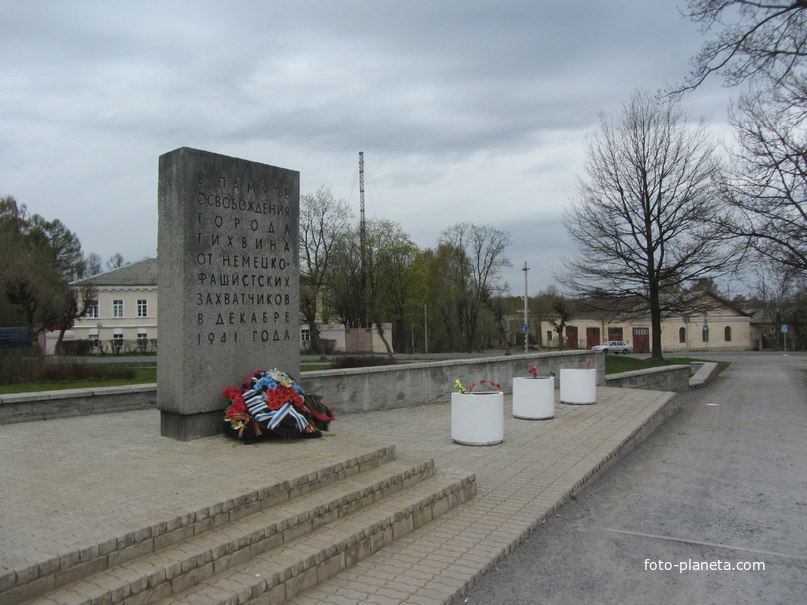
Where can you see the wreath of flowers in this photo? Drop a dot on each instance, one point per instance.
(271, 402)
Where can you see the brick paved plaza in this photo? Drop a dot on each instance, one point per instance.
(75, 485)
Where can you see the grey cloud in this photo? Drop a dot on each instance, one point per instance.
(435, 92)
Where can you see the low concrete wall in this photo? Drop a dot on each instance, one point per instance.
(387, 387)
(47, 405)
(704, 373)
(354, 390)
(665, 378)
(366, 389)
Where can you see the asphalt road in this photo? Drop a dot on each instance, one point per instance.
(722, 482)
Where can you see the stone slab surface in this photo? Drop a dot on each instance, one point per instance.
(72, 483)
(704, 374)
(519, 483)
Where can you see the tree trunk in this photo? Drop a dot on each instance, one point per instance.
(59, 341)
(316, 340)
(655, 325)
(380, 329)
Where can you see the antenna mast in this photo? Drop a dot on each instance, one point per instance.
(363, 244)
(362, 226)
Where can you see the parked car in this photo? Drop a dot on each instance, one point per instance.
(613, 346)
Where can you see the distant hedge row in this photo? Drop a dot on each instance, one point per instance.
(18, 367)
(108, 347)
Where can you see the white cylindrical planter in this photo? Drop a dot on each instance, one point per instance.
(477, 418)
(534, 398)
(578, 386)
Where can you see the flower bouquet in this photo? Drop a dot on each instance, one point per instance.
(481, 387)
(271, 403)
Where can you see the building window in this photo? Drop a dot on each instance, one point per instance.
(142, 307)
(705, 334)
(92, 309)
(305, 334)
(117, 340)
(142, 340)
(727, 333)
(682, 335)
(549, 335)
(117, 308)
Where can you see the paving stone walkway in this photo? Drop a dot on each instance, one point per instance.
(70, 484)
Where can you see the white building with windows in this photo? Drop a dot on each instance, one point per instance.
(125, 307)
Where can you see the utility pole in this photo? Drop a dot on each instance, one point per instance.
(526, 331)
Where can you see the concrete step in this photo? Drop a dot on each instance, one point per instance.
(220, 547)
(280, 574)
(67, 569)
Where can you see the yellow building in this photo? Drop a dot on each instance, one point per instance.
(716, 325)
(124, 309)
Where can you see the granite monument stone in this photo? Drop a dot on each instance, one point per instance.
(228, 281)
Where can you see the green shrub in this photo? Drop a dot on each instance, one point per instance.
(359, 361)
(80, 370)
(75, 347)
(17, 367)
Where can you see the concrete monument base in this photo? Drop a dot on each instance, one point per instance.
(187, 427)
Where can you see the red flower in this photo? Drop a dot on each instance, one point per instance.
(278, 397)
(485, 385)
(237, 405)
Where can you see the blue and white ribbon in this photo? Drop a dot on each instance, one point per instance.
(274, 417)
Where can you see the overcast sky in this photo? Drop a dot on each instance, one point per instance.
(465, 110)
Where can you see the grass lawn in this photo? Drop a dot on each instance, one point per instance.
(622, 363)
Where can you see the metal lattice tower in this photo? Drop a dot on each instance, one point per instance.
(362, 225)
(362, 239)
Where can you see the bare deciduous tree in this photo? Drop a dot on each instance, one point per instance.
(766, 187)
(116, 261)
(644, 219)
(323, 222)
(391, 255)
(92, 264)
(759, 39)
(763, 44)
(480, 253)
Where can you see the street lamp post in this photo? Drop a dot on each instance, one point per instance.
(686, 334)
(706, 328)
(526, 336)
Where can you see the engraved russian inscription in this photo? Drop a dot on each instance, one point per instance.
(244, 258)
